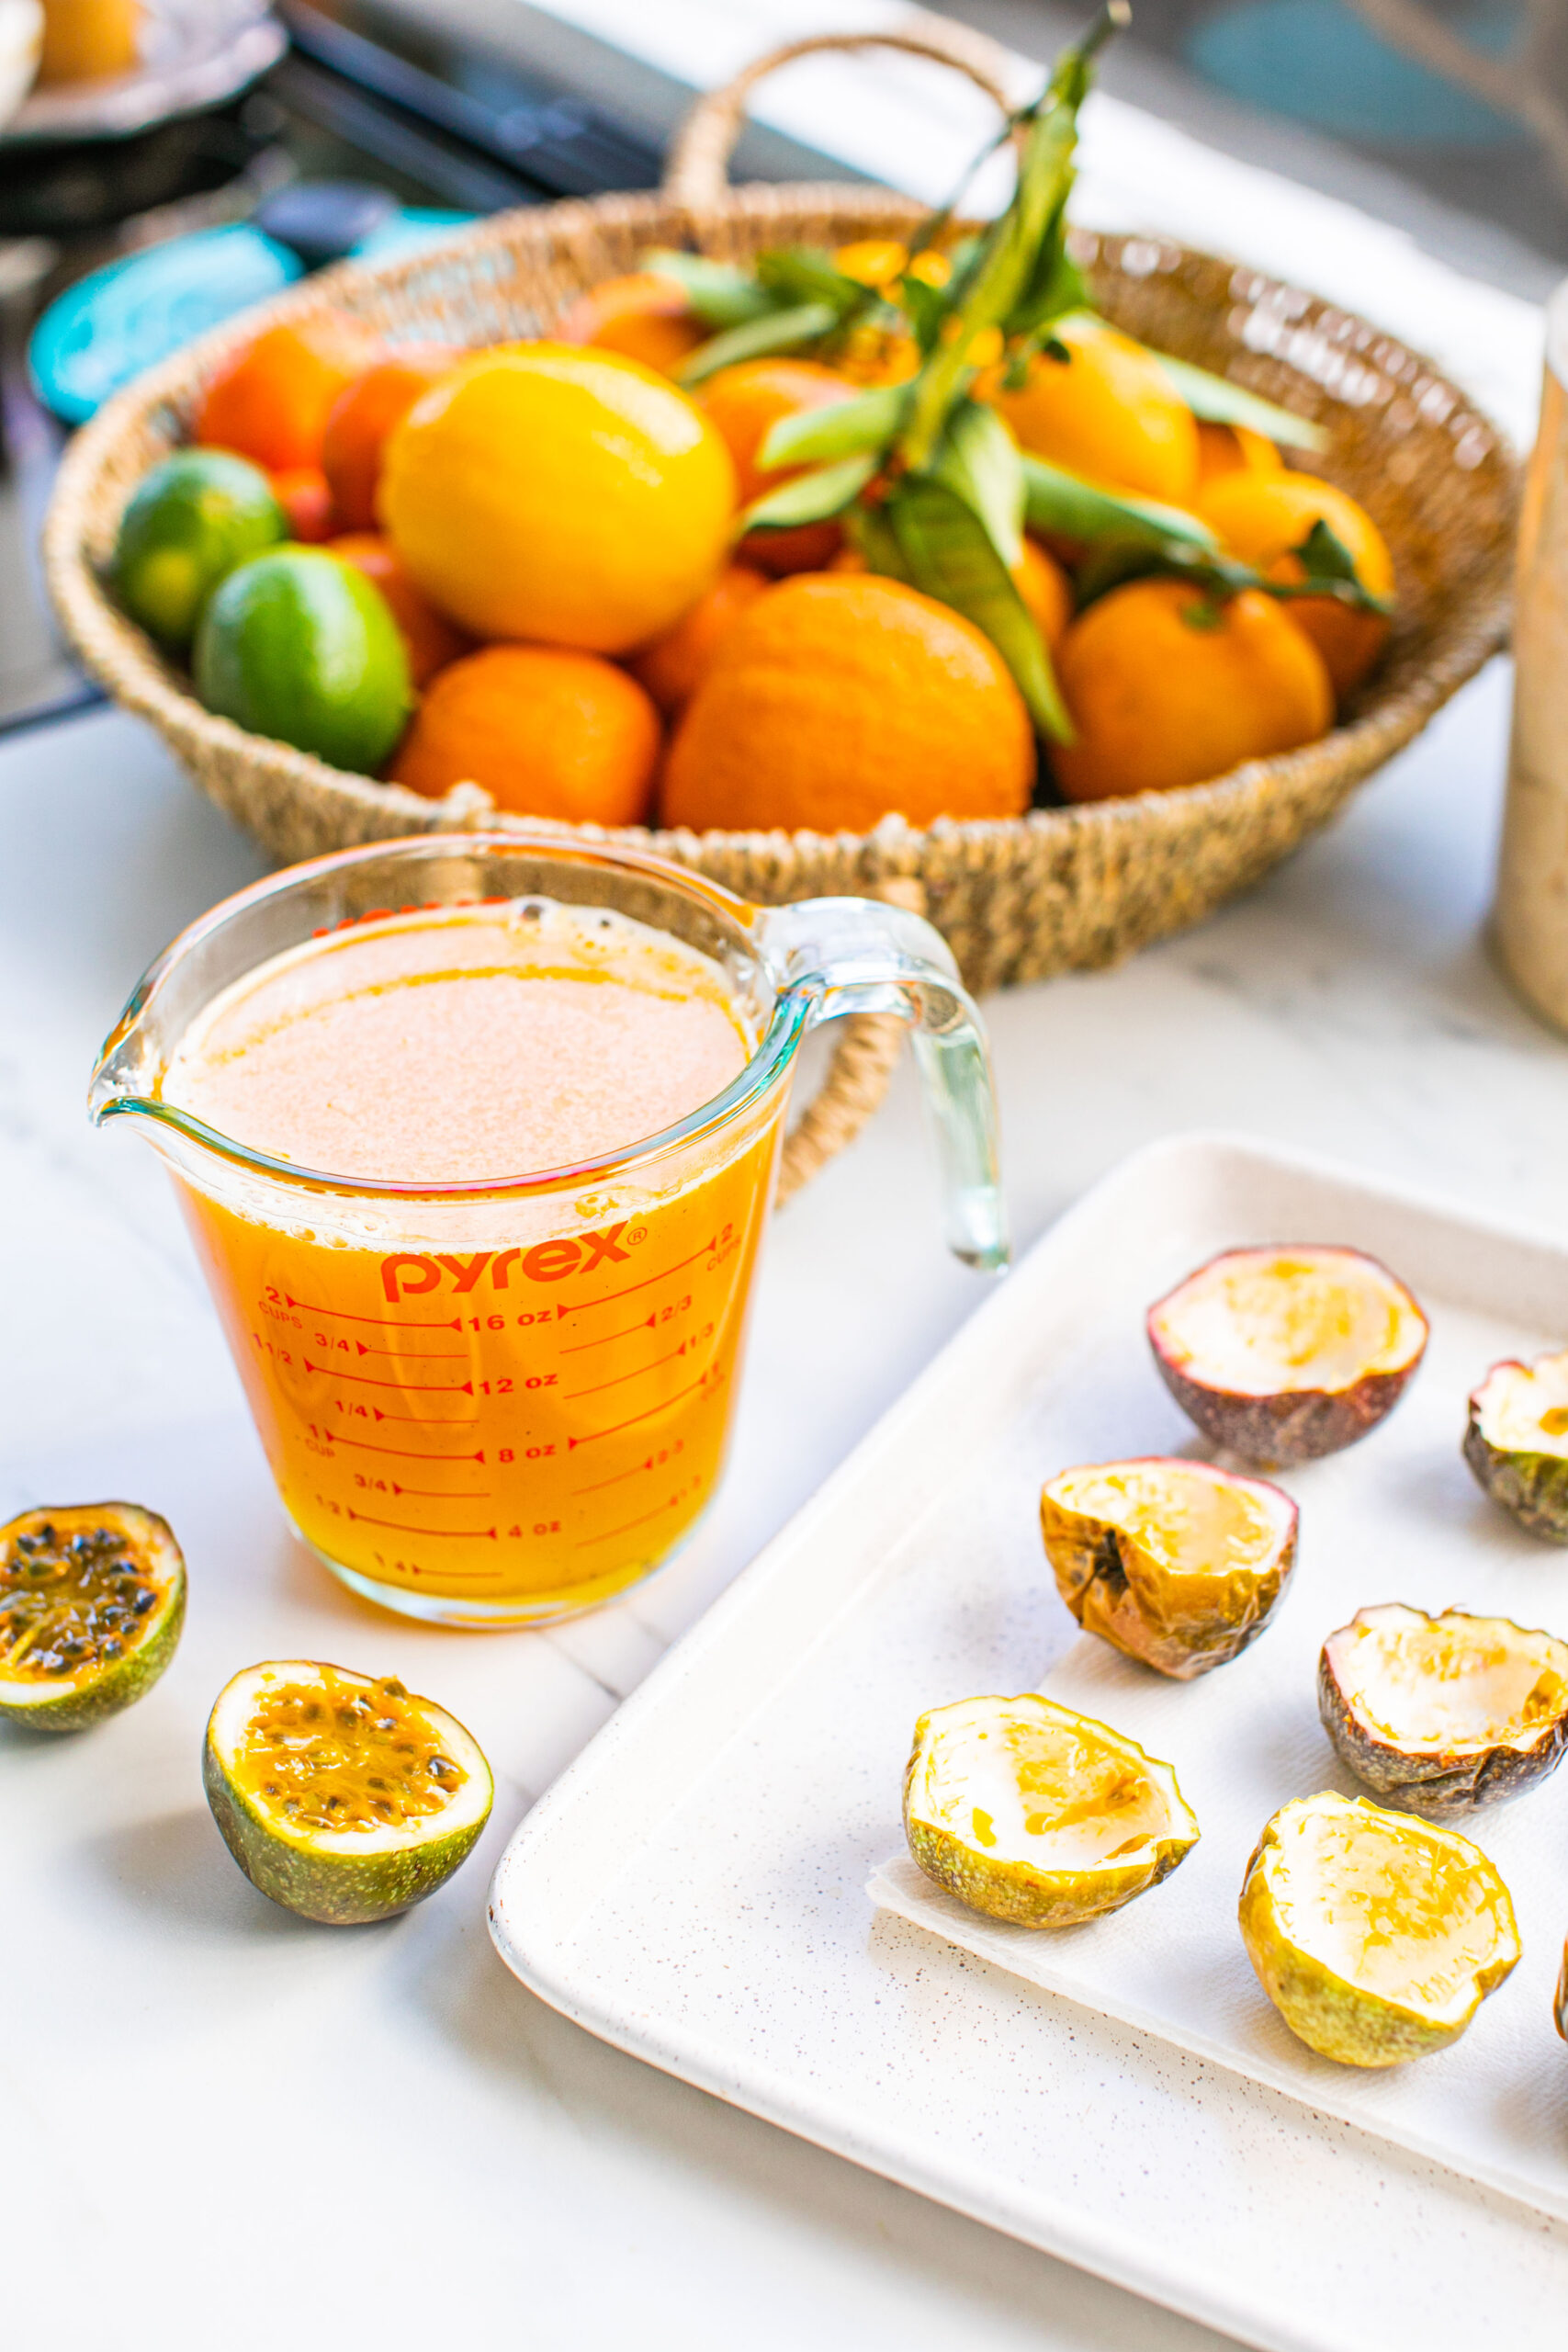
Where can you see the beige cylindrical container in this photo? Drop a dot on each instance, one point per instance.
(1532, 881)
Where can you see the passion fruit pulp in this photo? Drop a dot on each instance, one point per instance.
(1288, 1353)
(1516, 1442)
(1376, 1937)
(339, 1794)
(1172, 1562)
(1027, 1811)
(1447, 1714)
(92, 1600)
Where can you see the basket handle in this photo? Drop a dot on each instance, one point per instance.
(696, 174)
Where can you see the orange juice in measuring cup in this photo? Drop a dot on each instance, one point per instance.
(477, 1139)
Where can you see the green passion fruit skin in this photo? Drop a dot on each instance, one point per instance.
(341, 1795)
(91, 1602)
(1516, 1443)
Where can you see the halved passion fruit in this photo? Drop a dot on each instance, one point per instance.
(1028, 1812)
(1173, 1562)
(1516, 1442)
(1559, 2006)
(1285, 1354)
(92, 1600)
(339, 1794)
(1445, 1713)
(1377, 1937)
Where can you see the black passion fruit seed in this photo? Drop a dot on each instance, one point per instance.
(340, 1794)
(92, 1600)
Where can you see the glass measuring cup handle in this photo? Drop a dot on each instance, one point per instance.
(842, 955)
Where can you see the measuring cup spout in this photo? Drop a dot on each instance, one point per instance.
(127, 1071)
(844, 955)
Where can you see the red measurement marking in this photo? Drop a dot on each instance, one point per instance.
(571, 1395)
(424, 1421)
(442, 1535)
(645, 1325)
(706, 1250)
(663, 1405)
(441, 1494)
(635, 1472)
(401, 1452)
(386, 1322)
(587, 1541)
(363, 1380)
(417, 1355)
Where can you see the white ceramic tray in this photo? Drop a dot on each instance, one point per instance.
(693, 1889)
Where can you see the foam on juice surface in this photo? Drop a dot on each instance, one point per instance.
(472, 1043)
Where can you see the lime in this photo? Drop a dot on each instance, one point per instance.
(340, 1794)
(300, 646)
(189, 522)
(92, 1600)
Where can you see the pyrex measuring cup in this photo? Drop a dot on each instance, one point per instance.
(491, 1403)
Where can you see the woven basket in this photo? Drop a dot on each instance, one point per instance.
(1056, 891)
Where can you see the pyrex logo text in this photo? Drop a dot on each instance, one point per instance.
(406, 1275)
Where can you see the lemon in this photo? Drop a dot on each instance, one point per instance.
(300, 646)
(189, 522)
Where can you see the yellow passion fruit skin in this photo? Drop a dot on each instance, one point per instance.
(1285, 1354)
(1516, 1443)
(91, 1602)
(1444, 1715)
(340, 1794)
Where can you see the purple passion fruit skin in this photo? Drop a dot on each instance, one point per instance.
(1458, 1744)
(91, 1602)
(1296, 1417)
(1173, 1563)
(1516, 1443)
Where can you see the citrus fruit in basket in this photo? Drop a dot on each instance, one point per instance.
(362, 416)
(1234, 450)
(305, 498)
(271, 399)
(92, 1600)
(839, 699)
(1041, 581)
(641, 315)
(674, 665)
(745, 402)
(1108, 410)
(568, 496)
(298, 646)
(429, 637)
(1166, 688)
(341, 1795)
(548, 731)
(1261, 517)
(189, 521)
(87, 40)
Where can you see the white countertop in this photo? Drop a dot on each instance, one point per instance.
(220, 2125)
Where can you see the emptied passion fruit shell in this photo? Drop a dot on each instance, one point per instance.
(1377, 1937)
(1447, 1714)
(1029, 1812)
(339, 1794)
(1287, 1354)
(1516, 1442)
(92, 1600)
(1172, 1562)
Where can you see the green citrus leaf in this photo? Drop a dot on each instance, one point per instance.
(800, 274)
(843, 430)
(720, 296)
(1220, 402)
(757, 339)
(947, 552)
(978, 459)
(1057, 500)
(812, 498)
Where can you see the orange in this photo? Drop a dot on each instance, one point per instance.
(549, 733)
(674, 666)
(1261, 516)
(303, 494)
(429, 636)
(745, 402)
(642, 315)
(1040, 580)
(1109, 410)
(839, 699)
(1158, 701)
(1234, 450)
(270, 400)
(569, 496)
(84, 41)
(363, 414)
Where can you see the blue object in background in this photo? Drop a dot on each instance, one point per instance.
(1318, 62)
(111, 325)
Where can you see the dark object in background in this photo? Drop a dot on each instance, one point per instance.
(324, 221)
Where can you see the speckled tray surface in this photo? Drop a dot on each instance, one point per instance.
(693, 1888)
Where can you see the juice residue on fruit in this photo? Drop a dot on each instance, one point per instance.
(463, 1044)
